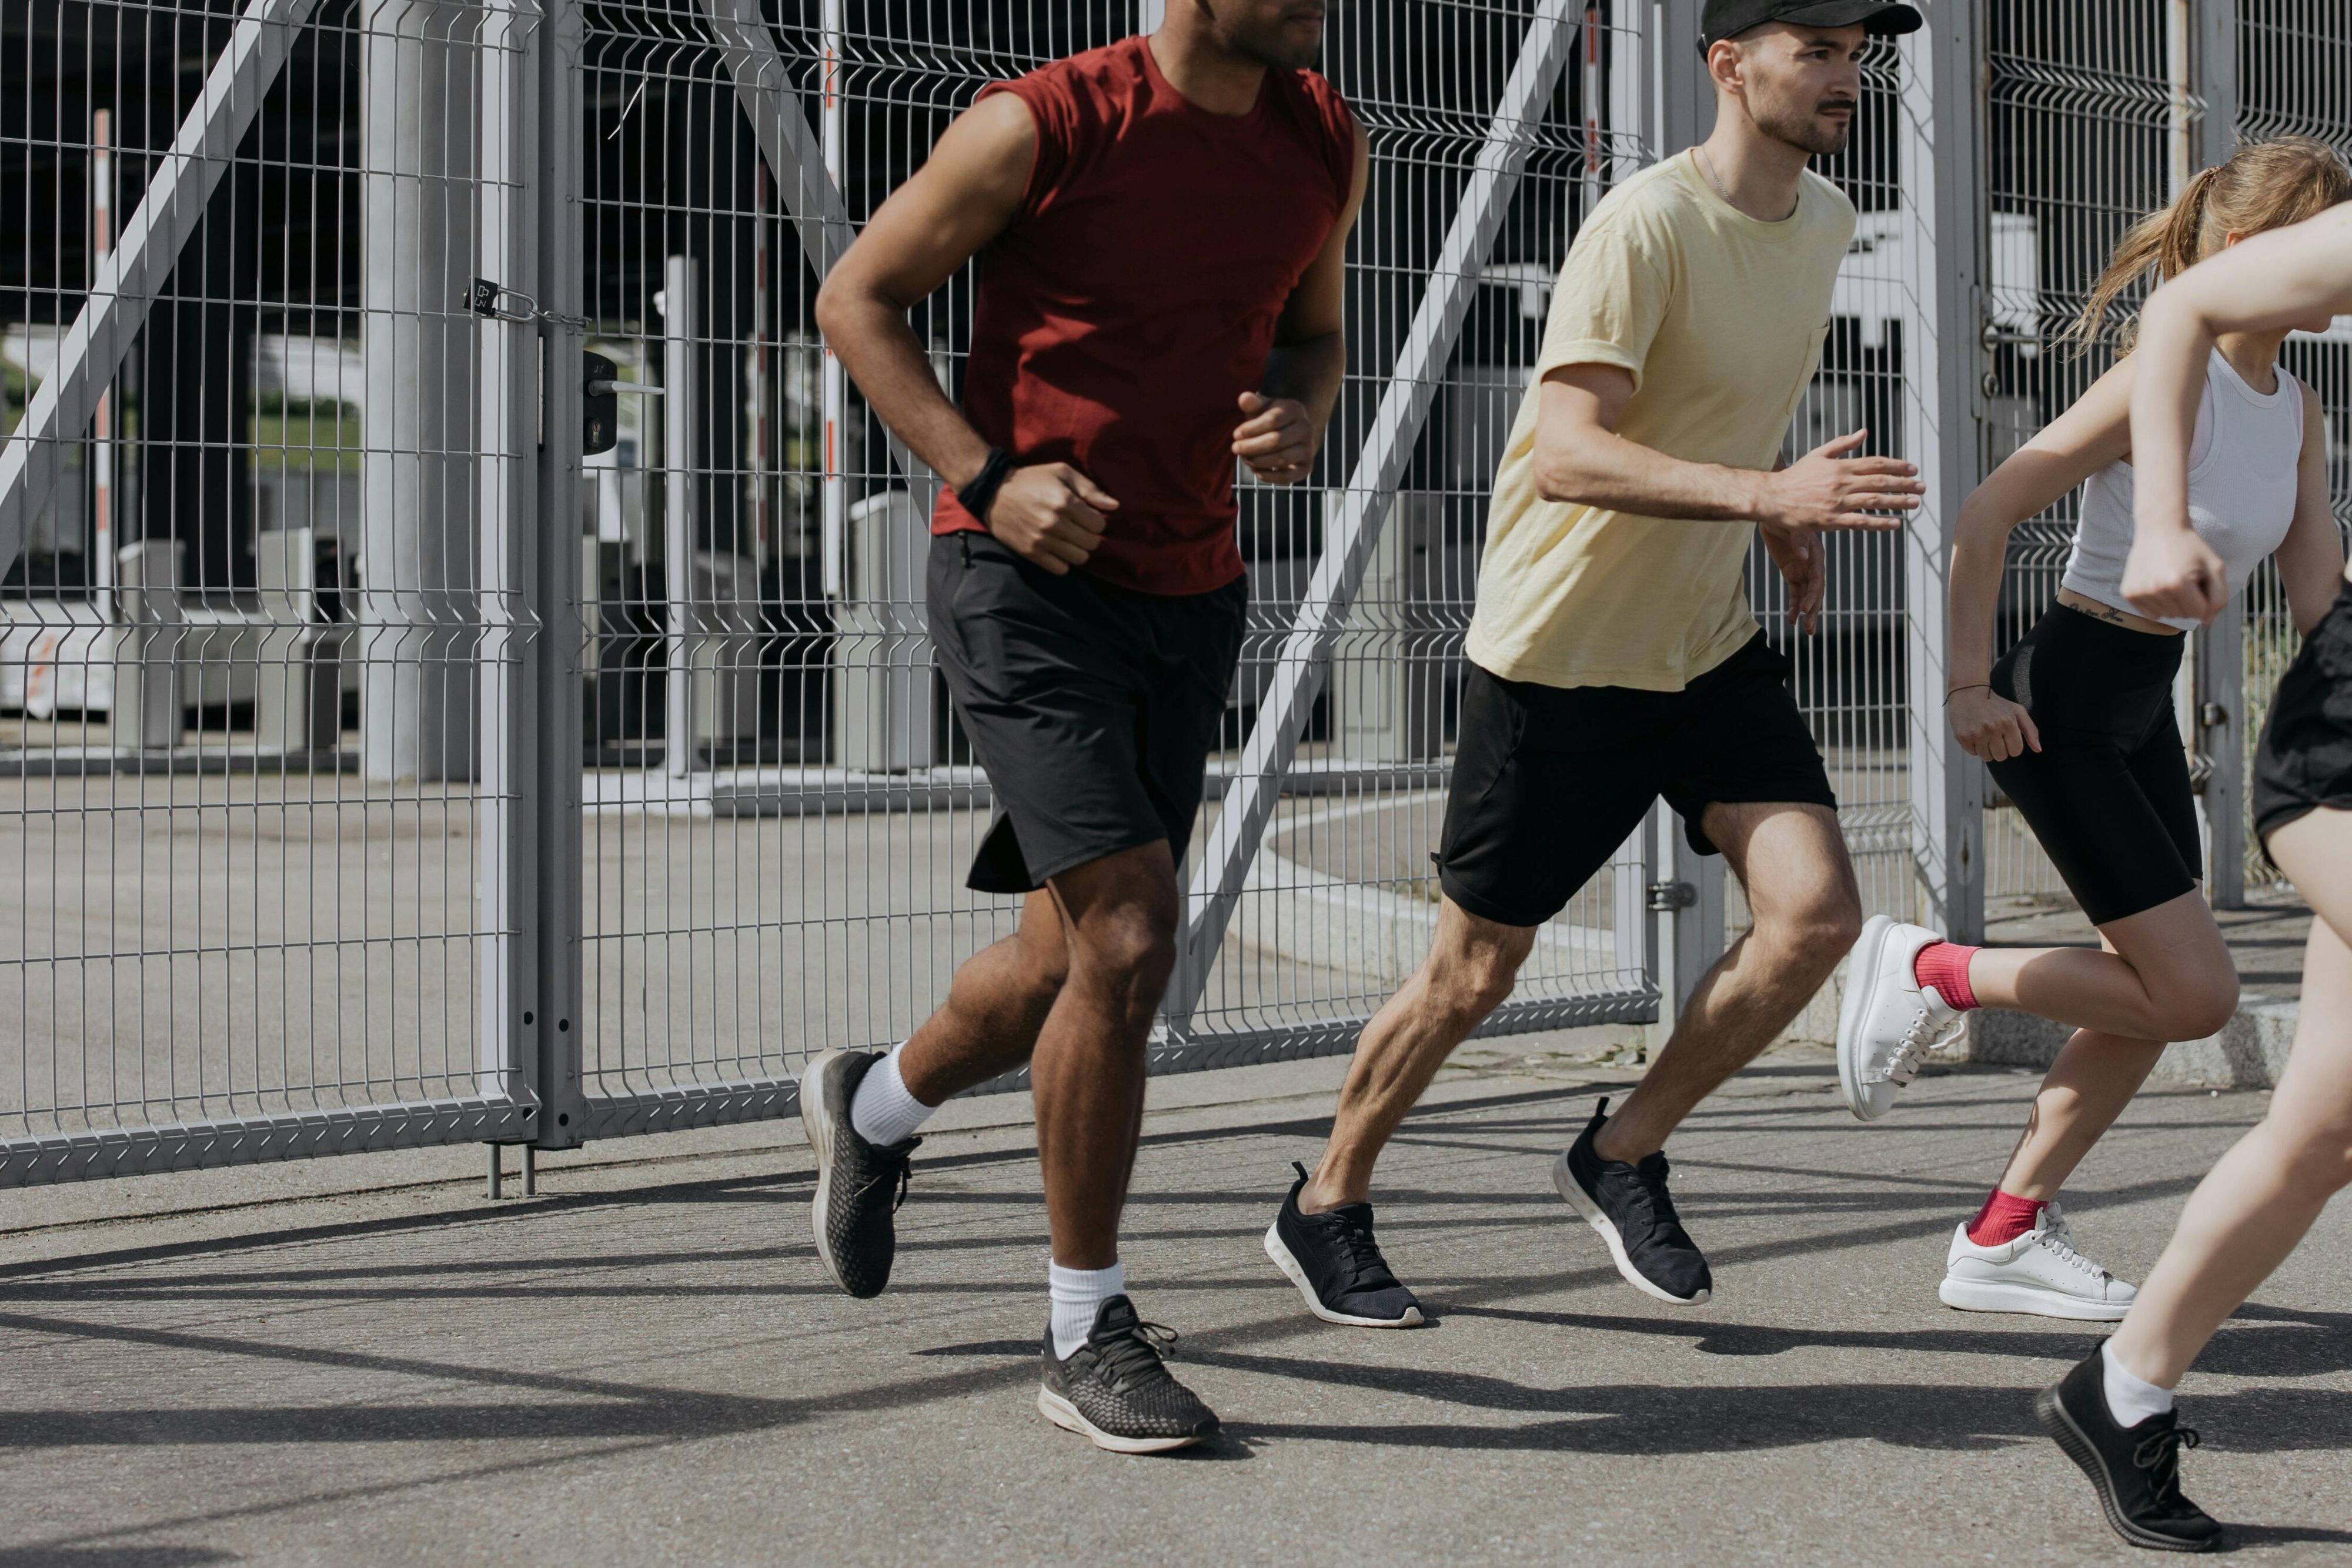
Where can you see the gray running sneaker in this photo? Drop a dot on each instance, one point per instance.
(859, 1186)
(1115, 1390)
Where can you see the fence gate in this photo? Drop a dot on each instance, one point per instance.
(463, 670)
(248, 457)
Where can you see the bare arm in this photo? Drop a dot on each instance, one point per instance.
(2088, 436)
(1581, 458)
(2299, 277)
(954, 205)
(2311, 558)
(1283, 419)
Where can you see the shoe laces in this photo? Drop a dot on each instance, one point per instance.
(1361, 1251)
(894, 1161)
(2158, 1454)
(1133, 1356)
(2057, 1239)
(1925, 1035)
(1650, 1192)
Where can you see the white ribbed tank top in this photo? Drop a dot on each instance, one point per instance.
(2242, 471)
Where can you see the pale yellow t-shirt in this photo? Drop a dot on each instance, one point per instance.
(1719, 317)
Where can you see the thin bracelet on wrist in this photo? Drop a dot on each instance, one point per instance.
(1971, 687)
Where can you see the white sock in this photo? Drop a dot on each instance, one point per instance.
(1076, 1294)
(884, 1111)
(2130, 1400)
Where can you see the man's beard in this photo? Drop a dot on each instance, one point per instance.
(1273, 51)
(1806, 134)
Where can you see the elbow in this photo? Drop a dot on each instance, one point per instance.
(1560, 478)
(831, 306)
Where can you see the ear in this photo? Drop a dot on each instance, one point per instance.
(2232, 238)
(1724, 60)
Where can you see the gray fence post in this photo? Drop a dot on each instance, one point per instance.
(507, 541)
(1685, 893)
(679, 419)
(1945, 212)
(2218, 698)
(419, 100)
(148, 639)
(548, 693)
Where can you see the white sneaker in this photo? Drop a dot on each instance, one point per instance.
(2039, 1273)
(1889, 1022)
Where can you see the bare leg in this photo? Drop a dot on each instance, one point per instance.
(997, 1004)
(1086, 1072)
(2266, 1192)
(1468, 972)
(1792, 862)
(2180, 979)
(2167, 976)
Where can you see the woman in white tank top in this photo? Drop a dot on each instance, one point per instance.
(2076, 724)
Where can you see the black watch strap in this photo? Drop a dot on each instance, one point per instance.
(979, 494)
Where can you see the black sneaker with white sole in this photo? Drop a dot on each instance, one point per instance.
(1630, 1205)
(1117, 1391)
(2135, 1469)
(859, 1186)
(1336, 1265)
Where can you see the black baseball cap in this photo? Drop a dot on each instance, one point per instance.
(1728, 18)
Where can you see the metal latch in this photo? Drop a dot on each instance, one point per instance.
(600, 411)
(1665, 898)
(2212, 716)
(482, 298)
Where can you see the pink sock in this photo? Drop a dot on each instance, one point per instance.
(2003, 1219)
(1945, 965)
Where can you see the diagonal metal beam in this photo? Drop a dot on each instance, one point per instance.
(764, 86)
(129, 276)
(795, 156)
(1348, 538)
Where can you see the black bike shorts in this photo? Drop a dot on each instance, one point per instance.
(1549, 781)
(2108, 794)
(2304, 760)
(1092, 709)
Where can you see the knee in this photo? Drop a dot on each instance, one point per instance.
(2193, 1001)
(1134, 950)
(2319, 1160)
(2208, 1010)
(1468, 986)
(1816, 935)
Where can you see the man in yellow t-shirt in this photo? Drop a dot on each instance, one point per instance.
(1613, 659)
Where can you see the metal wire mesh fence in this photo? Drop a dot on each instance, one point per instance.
(247, 786)
(463, 669)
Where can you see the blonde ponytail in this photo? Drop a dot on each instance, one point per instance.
(2265, 185)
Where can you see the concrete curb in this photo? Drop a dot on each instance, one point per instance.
(2249, 1053)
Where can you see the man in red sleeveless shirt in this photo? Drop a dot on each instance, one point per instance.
(1161, 225)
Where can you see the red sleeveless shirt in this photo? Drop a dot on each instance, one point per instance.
(1133, 299)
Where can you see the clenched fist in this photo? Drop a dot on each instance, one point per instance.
(1276, 439)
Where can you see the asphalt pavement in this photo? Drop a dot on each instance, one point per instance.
(644, 1364)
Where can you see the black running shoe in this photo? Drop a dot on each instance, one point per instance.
(2135, 1470)
(859, 1186)
(1631, 1207)
(1117, 1391)
(1336, 1266)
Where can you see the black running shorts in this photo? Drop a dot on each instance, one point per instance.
(1549, 781)
(1092, 709)
(2304, 760)
(2108, 794)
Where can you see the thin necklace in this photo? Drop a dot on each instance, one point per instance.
(1706, 167)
